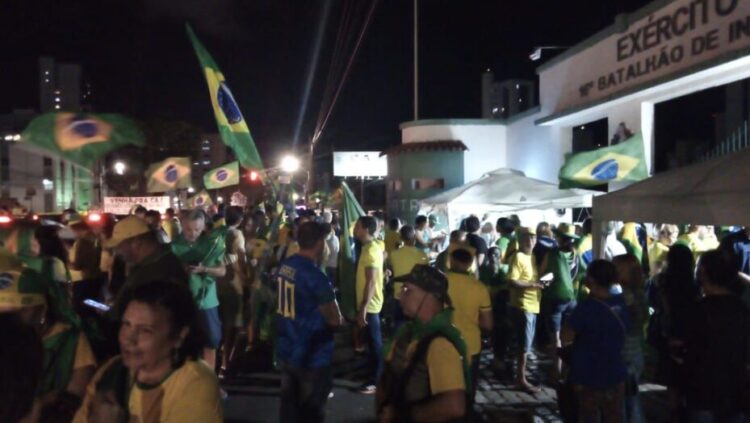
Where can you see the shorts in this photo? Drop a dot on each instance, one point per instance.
(230, 305)
(211, 326)
(524, 326)
(558, 312)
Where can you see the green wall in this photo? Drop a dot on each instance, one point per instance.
(405, 167)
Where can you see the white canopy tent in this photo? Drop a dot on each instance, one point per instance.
(505, 191)
(713, 192)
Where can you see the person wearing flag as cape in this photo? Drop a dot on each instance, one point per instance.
(68, 360)
(203, 256)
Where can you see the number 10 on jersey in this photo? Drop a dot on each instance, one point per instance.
(286, 298)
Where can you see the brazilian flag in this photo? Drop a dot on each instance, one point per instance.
(349, 212)
(622, 162)
(232, 126)
(81, 138)
(201, 199)
(170, 174)
(222, 176)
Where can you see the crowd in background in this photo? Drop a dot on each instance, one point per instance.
(138, 319)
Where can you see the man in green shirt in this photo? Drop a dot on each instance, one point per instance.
(559, 298)
(203, 254)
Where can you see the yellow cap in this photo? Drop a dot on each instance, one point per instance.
(127, 228)
(525, 230)
(567, 230)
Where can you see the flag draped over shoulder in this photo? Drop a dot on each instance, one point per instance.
(222, 176)
(349, 212)
(622, 162)
(81, 138)
(232, 126)
(172, 173)
(200, 199)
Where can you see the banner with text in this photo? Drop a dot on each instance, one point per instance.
(123, 205)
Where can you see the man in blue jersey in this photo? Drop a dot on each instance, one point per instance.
(306, 316)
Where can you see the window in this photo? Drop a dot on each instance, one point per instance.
(49, 202)
(396, 185)
(419, 184)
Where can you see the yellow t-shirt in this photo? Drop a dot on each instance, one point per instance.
(402, 261)
(190, 394)
(444, 365)
(256, 247)
(469, 297)
(657, 256)
(523, 268)
(371, 256)
(392, 240)
(695, 243)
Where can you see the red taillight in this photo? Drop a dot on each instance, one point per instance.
(5, 219)
(253, 175)
(95, 217)
(35, 217)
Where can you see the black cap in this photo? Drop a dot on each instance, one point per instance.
(430, 279)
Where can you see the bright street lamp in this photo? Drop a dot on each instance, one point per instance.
(191, 190)
(120, 168)
(289, 164)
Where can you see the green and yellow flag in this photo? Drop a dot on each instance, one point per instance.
(232, 126)
(81, 138)
(170, 174)
(350, 211)
(622, 162)
(200, 199)
(222, 176)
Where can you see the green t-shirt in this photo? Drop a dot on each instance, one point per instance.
(566, 268)
(207, 250)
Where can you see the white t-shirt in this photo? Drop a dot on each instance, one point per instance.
(333, 250)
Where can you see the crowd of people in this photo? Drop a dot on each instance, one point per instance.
(138, 319)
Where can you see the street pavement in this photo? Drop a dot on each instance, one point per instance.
(254, 395)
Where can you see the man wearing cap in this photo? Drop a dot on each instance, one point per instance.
(426, 373)
(525, 297)
(134, 241)
(568, 270)
(472, 312)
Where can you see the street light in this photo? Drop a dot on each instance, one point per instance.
(191, 190)
(289, 164)
(120, 168)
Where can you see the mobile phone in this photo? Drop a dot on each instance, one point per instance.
(96, 304)
(547, 277)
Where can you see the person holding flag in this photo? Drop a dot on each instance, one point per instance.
(203, 256)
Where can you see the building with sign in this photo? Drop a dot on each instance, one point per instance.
(635, 75)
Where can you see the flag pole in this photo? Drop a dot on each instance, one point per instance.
(416, 61)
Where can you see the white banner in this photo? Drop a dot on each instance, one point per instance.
(123, 205)
(360, 164)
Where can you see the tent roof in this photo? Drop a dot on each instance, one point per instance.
(712, 192)
(508, 190)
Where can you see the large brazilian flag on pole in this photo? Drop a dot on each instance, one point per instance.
(622, 162)
(349, 211)
(232, 126)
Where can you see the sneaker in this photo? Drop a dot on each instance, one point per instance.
(367, 389)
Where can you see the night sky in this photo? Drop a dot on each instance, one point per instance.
(140, 62)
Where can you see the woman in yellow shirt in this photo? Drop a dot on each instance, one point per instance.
(157, 377)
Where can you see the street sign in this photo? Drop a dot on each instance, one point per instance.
(360, 164)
